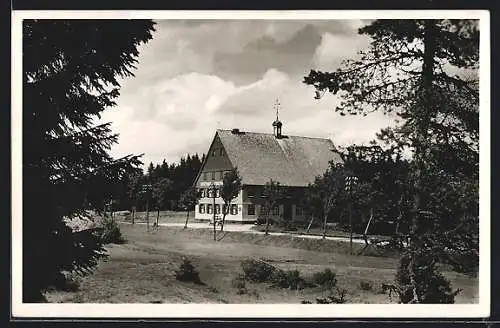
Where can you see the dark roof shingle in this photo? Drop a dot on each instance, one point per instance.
(293, 160)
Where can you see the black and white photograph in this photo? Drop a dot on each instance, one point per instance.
(225, 164)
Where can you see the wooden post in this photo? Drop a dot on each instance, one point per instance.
(213, 209)
(350, 226)
(133, 214)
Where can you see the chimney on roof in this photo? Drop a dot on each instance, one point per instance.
(277, 123)
(235, 131)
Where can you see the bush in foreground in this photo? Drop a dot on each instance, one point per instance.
(366, 285)
(257, 270)
(188, 273)
(327, 279)
(287, 279)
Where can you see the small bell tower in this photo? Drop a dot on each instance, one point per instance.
(277, 123)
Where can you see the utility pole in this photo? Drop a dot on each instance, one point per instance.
(212, 188)
(146, 189)
(350, 181)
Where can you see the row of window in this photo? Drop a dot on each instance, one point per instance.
(209, 192)
(233, 210)
(214, 175)
(219, 151)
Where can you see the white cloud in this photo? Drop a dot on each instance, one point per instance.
(179, 97)
(334, 48)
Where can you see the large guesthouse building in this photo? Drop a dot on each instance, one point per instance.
(293, 161)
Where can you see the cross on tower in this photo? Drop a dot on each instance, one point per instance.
(277, 107)
(277, 124)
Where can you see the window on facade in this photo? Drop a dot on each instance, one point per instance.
(251, 209)
(201, 208)
(210, 209)
(224, 208)
(205, 176)
(221, 175)
(276, 210)
(210, 192)
(262, 210)
(217, 208)
(217, 192)
(213, 153)
(213, 175)
(299, 210)
(221, 151)
(234, 209)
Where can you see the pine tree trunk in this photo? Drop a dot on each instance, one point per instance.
(133, 215)
(157, 218)
(424, 108)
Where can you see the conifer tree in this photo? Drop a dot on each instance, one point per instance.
(72, 72)
(423, 71)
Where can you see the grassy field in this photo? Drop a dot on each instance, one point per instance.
(142, 270)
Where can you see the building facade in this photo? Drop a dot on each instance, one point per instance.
(293, 161)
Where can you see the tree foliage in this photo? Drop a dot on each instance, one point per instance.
(160, 191)
(231, 186)
(188, 199)
(326, 196)
(425, 73)
(72, 72)
(273, 195)
(181, 175)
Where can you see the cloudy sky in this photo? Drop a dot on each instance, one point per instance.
(196, 76)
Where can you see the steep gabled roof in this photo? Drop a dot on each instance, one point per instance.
(292, 160)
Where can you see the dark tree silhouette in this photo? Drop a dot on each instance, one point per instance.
(188, 199)
(72, 70)
(411, 70)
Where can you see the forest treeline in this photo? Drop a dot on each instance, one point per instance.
(175, 178)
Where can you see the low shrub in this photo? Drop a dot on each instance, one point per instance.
(242, 291)
(327, 279)
(338, 298)
(366, 285)
(238, 281)
(257, 270)
(287, 279)
(188, 273)
(254, 293)
(109, 232)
